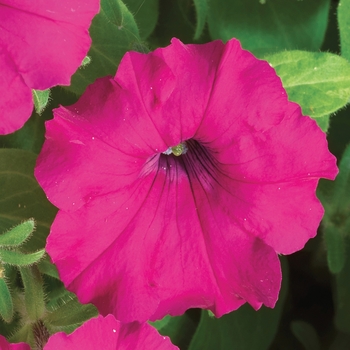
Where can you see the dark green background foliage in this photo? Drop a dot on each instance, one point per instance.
(308, 43)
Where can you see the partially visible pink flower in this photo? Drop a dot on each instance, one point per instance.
(42, 43)
(141, 232)
(109, 334)
(5, 345)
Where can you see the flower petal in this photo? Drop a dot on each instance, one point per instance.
(158, 241)
(15, 96)
(249, 113)
(265, 211)
(129, 116)
(110, 137)
(176, 112)
(152, 234)
(109, 334)
(5, 345)
(43, 42)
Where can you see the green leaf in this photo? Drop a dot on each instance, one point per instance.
(244, 328)
(272, 24)
(34, 298)
(16, 258)
(335, 248)
(30, 137)
(342, 300)
(341, 188)
(180, 329)
(333, 194)
(41, 99)
(17, 235)
(6, 304)
(306, 334)
(161, 323)
(21, 196)
(318, 82)
(344, 27)
(24, 334)
(113, 32)
(336, 222)
(323, 122)
(86, 61)
(47, 268)
(69, 315)
(202, 12)
(145, 13)
(174, 21)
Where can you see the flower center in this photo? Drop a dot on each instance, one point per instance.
(199, 164)
(178, 150)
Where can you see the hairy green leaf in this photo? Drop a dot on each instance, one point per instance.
(113, 32)
(17, 235)
(16, 258)
(34, 298)
(318, 82)
(344, 27)
(68, 315)
(47, 268)
(271, 24)
(41, 99)
(21, 196)
(6, 304)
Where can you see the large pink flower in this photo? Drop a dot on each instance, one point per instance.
(142, 232)
(42, 43)
(5, 345)
(109, 334)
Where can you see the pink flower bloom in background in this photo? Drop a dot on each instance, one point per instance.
(109, 334)
(42, 43)
(5, 345)
(179, 181)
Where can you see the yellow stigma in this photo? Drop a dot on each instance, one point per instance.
(178, 150)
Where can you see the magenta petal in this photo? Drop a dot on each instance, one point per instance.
(16, 101)
(143, 233)
(109, 334)
(152, 234)
(109, 149)
(177, 107)
(5, 345)
(42, 43)
(249, 113)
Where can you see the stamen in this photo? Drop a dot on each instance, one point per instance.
(178, 150)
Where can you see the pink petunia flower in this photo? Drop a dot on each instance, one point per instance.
(42, 43)
(109, 334)
(103, 333)
(5, 345)
(179, 181)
